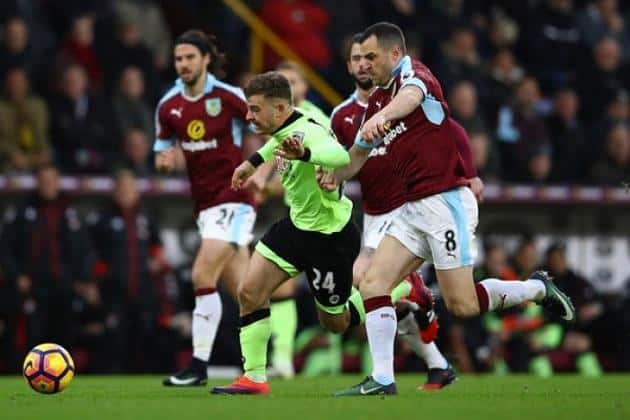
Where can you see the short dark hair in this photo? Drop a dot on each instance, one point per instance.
(355, 39)
(387, 34)
(207, 44)
(271, 85)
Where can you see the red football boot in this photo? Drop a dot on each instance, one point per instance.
(243, 386)
(426, 317)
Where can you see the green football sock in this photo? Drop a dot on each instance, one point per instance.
(356, 300)
(284, 321)
(540, 366)
(588, 365)
(254, 339)
(402, 290)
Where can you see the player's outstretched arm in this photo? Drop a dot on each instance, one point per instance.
(358, 157)
(315, 149)
(241, 174)
(405, 101)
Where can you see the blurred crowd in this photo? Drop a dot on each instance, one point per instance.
(542, 86)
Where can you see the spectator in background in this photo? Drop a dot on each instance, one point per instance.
(601, 19)
(485, 156)
(128, 50)
(461, 60)
(553, 43)
(130, 261)
(613, 167)
(129, 104)
(504, 74)
(576, 339)
(155, 33)
(48, 254)
(525, 145)
(80, 125)
(464, 106)
(601, 79)
(302, 25)
(299, 89)
(16, 51)
(23, 125)
(567, 137)
(136, 151)
(78, 48)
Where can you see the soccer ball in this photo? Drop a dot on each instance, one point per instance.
(48, 368)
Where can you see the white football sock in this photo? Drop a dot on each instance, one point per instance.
(504, 294)
(381, 331)
(409, 332)
(205, 323)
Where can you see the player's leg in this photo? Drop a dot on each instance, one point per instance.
(263, 277)
(209, 263)
(409, 295)
(451, 251)
(284, 321)
(391, 262)
(225, 230)
(276, 259)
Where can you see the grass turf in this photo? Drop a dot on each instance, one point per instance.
(472, 397)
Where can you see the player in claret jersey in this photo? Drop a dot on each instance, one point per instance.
(409, 115)
(205, 117)
(382, 194)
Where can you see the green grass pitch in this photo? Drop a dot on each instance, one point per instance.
(472, 397)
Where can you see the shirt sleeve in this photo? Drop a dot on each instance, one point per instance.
(164, 134)
(325, 149)
(266, 152)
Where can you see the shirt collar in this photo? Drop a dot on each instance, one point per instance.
(295, 115)
(210, 82)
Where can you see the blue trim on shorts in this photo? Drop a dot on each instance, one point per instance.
(238, 221)
(454, 202)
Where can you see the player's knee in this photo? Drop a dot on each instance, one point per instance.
(357, 276)
(462, 308)
(372, 284)
(334, 325)
(249, 299)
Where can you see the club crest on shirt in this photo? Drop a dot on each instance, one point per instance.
(213, 106)
(298, 135)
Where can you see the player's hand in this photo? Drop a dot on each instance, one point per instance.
(165, 160)
(477, 186)
(290, 148)
(374, 128)
(241, 174)
(326, 180)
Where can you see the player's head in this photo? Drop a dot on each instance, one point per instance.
(196, 53)
(382, 47)
(294, 74)
(269, 101)
(357, 71)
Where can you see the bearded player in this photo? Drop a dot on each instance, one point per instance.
(205, 117)
(408, 114)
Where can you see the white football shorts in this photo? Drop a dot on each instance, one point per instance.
(229, 222)
(439, 229)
